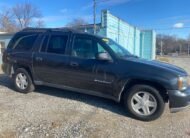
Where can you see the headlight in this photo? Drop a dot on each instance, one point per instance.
(183, 83)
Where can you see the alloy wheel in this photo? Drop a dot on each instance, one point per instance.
(144, 103)
(21, 81)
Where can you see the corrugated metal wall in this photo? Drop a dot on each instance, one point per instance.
(121, 32)
(148, 44)
(140, 43)
(129, 36)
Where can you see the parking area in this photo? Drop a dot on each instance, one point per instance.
(50, 112)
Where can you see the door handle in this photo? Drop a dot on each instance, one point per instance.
(74, 64)
(39, 58)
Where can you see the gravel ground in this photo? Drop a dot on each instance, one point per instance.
(182, 62)
(50, 112)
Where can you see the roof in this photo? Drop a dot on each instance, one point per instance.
(6, 34)
(3, 32)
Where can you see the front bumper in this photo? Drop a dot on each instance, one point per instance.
(179, 100)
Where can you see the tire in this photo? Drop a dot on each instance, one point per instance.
(28, 83)
(151, 105)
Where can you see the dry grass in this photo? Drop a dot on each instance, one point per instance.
(1, 70)
(164, 59)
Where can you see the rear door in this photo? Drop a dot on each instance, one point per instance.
(51, 61)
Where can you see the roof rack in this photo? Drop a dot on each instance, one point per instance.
(65, 29)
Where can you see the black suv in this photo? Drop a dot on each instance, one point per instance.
(71, 60)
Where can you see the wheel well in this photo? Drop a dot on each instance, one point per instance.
(15, 67)
(162, 90)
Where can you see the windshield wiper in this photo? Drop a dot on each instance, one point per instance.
(131, 56)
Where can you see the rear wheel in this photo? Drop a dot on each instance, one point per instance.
(144, 102)
(22, 81)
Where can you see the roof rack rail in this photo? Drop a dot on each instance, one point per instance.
(34, 29)
(30, 29)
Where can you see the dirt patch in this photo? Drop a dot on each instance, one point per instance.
(8, 134)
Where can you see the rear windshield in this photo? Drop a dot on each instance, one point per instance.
(13, 40)
(22, 42)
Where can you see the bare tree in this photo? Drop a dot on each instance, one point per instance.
(39, 23)
(77, 22)
(20, 16)
(7, 23)
(171, 44)
(25, 13)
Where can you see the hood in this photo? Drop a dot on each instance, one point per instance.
(162, 65)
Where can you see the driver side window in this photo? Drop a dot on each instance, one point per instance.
(83, 48)
(101, 49)
(86, 48)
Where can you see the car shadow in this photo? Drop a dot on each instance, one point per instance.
(98, 102)
(5, 81)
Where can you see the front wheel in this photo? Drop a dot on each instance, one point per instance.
(22, 81)
(144, 102)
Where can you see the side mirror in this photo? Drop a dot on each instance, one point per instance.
(104, 56)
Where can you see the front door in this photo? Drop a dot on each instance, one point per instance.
(86, 71)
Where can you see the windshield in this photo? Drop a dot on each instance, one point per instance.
(116, 48)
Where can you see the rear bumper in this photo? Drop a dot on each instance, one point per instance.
(179, 100)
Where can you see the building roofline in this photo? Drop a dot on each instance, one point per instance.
(125, 22)
(6, 33)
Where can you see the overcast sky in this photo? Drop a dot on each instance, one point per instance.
(166, 16)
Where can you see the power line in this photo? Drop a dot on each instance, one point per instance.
(171, 28)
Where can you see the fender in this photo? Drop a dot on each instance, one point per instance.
(127, 83)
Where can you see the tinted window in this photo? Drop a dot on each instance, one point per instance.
(25, 43)
(101, 48)
(83, 48)
(116, 48)
(13, 40)
(45, 42)
(57, 44)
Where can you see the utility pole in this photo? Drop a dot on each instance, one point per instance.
(94, 7)
(188, 49)
(161, 46)
(180, 49)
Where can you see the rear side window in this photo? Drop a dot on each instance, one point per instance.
(83, 48)
(14, 40)
(57, 44)
(25, 43)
